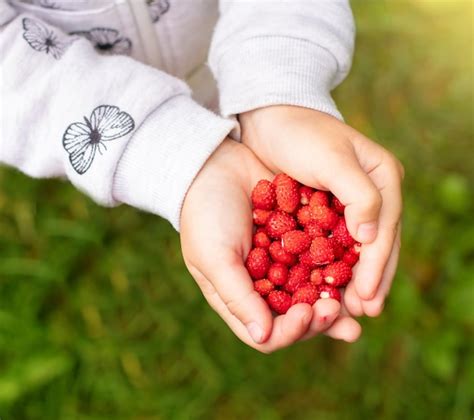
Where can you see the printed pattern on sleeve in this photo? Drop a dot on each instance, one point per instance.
(82, 139)
(157, 8)
(107, 41)
(43, 39)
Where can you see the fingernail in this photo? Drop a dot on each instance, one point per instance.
(367, 232)
(255, 332)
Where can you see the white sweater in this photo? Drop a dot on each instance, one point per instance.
(94, 90)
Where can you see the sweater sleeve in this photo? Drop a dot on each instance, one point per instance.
(119, 130)
(281, 52)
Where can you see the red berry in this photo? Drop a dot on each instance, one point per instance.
(298, 275)
(305, 194)
(304, 215)
(326, 291)
(263, 286)
(305, 294)
(350, 258)
(260, 217)
(261, 240)
(337, 205)
(314, 230)
(306, 259)
(295, 241)
(324, 216)
(341, 234)
(278, 274)
(279, 301)
(337, 248)
(263, 195)
(278, 223)
(316, 277)
(287, 195)
(319, 198)
(321, 251)
(337, 274)
(278, 254)
(258, 263)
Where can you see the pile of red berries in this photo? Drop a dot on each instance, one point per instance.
(302, 250)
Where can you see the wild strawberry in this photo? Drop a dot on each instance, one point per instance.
(295, 241)
(305, 294)
(298, 275)
(319, 198)
(305, 194)
(287, 195)
(337, 248)
(350, 258)
(324, 216)
(258, 263)
(341, 234)
(316, 276)
(279, 301)
(263, 286)
(278, 254)
(263, 195)
(321, 251)
(326, 291)
(314, 230)
(337, 274)
(278, 274)
(337, 205)
(306, 259)
(261, 240)
(304, 215)
(278, 223)
(260, 217)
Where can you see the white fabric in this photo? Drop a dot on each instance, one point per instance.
(124, 132)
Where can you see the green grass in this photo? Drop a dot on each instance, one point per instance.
(100, 320)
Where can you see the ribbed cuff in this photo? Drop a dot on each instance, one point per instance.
(164, 156)
(266, 71)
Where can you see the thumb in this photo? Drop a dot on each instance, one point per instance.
(235, 287)
(353, 187)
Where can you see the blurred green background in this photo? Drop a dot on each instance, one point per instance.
(100, 320)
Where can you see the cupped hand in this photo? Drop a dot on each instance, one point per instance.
(216, 231)
(320, 151)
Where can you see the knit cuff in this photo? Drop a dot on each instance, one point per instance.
(266, 71)
(165, 154)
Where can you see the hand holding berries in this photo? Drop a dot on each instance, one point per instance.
(320, 151)
(216, 237)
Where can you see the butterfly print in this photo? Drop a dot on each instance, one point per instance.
(43, 39)
(157, 8)
(82, 139)
(107, 40)
(47, 4)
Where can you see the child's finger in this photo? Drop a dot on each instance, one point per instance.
(374, 256)
(235, 287)
(375, 306)
(352, 300)
(344, 328)
(325, 311)
(287, 328)
(346, 179)
(386, 172)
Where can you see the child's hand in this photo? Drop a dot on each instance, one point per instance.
(318, 150)
(216, 230)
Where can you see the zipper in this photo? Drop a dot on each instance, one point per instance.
(146, 31)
